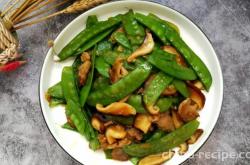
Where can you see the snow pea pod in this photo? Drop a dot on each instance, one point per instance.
(56, 91)
(73, 111)
(93, 41)
(103, 47)
(155, 26)
(121, 88)
(100, 83)
(192, 59)
(87, 87)
(55, 102)
(122, 39)
(165, 143)
(153, 91)
(91, 20)
(84, 36)
(172, 68)
(68, 126)
(157, 135)
(136, 102)
(181, 87)
(102, 66)
(133, 29)
(121, 119)
(165, 104)
(69, 85)
(175, 27)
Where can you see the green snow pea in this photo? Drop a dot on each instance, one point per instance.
(93, 135)
(91, 20)
(102, 66)
(165, 143)
(122, 39)
(103, 46)
(93, 41)
(55, 101)
(157, 135)
(192, 59)
(181, 87)
(136, 102)
(56, 91)
(121, 88)
(121, 119)
(100, 83)
(153, 91)
(111, 56)
(165, 104)
(172, 68)
(87, 34)
(73, 111)
(134, 160)
(68, 126)
(69, 85)
(155, 26)
(133, 29)
(175, 27)
(87, 87)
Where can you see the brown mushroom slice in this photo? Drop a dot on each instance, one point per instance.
(188, 110)
(153, 109)
(114, 132)
(183, 148)
(134, 134)
(179, 59)
(176, 119)
(115, 71)
(197, 96)
(117, 108)
(156, 159)
(197, 134)
(146, 48)
(143, 122)
(169, 91)
(198, 84)
(84, 68)
(119, 154)
(165, 122)
(97, 124)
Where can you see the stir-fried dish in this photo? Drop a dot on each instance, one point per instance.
(134, 89)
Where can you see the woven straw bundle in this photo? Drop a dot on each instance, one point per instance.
(17, 14)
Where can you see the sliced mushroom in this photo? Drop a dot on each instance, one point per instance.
(114, 132)
(117, 108)
(143, 122)
(97, 124)
(197, 96)
(119, 154)
(153, 109)
(134, 134)
(188, 110)
(169, 91)
(156, 159)
(176, 119)
(198, 84)
(84, 68)
(183, 148)
(118, 144)
(117, 71)
(197, 134)
(179, 59)
(165, 122)
(144, 49)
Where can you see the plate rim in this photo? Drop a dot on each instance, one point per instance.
(140, 1)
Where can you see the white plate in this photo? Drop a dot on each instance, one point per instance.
(76, 145)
